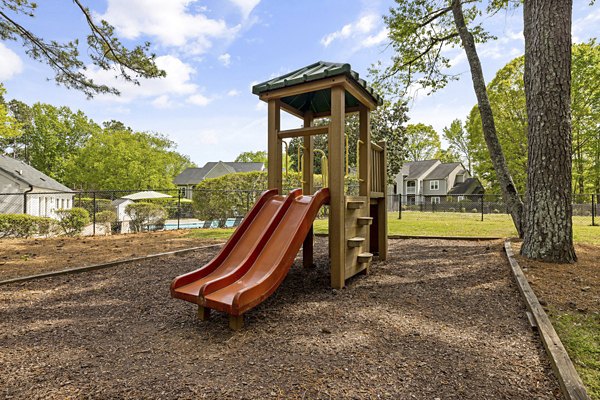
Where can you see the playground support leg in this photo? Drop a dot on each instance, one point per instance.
(236, 322)
(308, 189)
(203, 313)
(307, 250)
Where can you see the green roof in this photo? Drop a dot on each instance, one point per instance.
(318, 101)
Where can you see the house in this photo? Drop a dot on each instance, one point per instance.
(190, 177)
(25, 190)
(432, 181)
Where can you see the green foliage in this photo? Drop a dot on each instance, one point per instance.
(144, 214)
(234, 194)
(102, 47)
(172, 205)
(460, 147)
(10, 128)
(106, 217)
(123, 159)
(507, 98)
(73, 220)
(421, 32)
(423, 142)
(252, 156)
(88, 204)
(24, 226)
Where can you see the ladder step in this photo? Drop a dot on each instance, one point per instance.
(355, 241)
(365, 257)
(355, 204)
(365, 220)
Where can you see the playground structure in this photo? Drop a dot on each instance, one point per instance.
(257, 257)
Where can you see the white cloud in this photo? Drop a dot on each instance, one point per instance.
(374, 40)
(198, 100)
(163, 101)
(233, 93)
(171, 22)
(246, 6)
(11, 64)
(177, 82)
(586, 27)
(357, 29)
(261, 106)
(225, 59)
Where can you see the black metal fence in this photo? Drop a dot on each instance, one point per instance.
(485, 207)
(111, 211)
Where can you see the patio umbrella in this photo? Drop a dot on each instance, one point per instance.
(148, 194)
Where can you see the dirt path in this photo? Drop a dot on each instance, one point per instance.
(23, 257)
(439, 319)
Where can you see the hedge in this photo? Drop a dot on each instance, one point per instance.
(72, 220)
(24, 226)
(144, 214)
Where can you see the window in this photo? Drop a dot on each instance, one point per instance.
(434, 185)
(460, 178)
(461, 198)
(435, 200)
(410, 184)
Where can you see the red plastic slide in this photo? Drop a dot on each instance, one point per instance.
(267, 212)
(235, 289)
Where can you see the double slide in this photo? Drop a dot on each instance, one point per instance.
(256, 258)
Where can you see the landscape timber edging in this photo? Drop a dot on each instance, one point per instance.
(468, 238)
(104, 265)
(570, 383)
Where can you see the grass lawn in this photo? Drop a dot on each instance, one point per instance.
(580, 334)
(442, 224)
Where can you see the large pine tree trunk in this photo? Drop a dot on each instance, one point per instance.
(548, 208)
(509, 191)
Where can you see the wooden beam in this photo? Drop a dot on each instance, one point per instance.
(364, 126)
(306, 131)
(382, 208)
(291, 110)
(307, 186)
(360, 94)
(337, 209)
(274, 146)
(349, 110)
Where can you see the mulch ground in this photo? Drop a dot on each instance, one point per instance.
(23, 257)
(439, 319)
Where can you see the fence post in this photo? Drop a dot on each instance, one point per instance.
(178, 207)
(399, 206)
(94, 216)
(593, 210)
(481, 208)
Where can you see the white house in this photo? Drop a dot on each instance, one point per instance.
(25, 190)
(432, 180)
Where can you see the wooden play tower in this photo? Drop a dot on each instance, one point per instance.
(357, 224)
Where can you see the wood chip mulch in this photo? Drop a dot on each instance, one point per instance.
(437, 320)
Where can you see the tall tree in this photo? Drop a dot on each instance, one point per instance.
(459, 143)
(10, 129)
(121, 159)
(252, 156)
(419, 33)
(548, 209)
(423, 142)
(104, 50)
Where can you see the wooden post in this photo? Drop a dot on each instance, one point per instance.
(307, 189)
(236, 322)
(365, 152)
(382, 207)
(274, 146)
(203, 313)
(337, 240)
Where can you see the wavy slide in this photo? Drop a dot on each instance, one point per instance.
(257, 257)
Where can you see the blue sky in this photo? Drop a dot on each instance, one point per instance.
(214, 51)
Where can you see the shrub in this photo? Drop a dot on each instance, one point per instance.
(23, 225)
(171, 205)
(73, 220)
(144, 214)
(106, 217)
(88, 204)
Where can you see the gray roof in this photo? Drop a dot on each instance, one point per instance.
(469, 186)
(118, 202)
(415, 169)
(193, 176)
(316, 101)
(442, 171)
(24, 172)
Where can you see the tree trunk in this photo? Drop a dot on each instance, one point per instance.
(548, 206)
(509, 191)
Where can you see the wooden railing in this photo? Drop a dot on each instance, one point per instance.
(378, 170)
